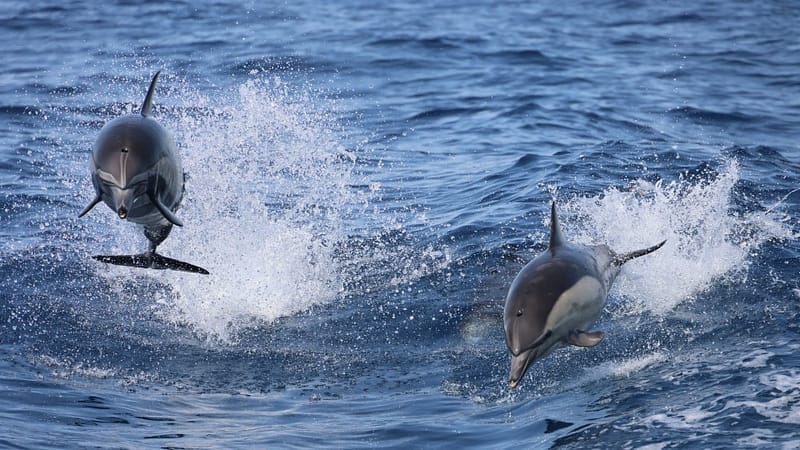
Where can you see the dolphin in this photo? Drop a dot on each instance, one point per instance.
(137, 172)
(556, 297)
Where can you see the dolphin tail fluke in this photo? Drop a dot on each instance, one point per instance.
(148, 100)
(150, 260)
(622, 259)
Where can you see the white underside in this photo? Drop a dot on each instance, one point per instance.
(577, 308)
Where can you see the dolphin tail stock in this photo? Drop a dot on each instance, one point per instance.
(150, 260)
(148, 99)
(625, 257)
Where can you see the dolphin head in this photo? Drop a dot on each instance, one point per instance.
(136, 170)
(523, 325)
(121, 197)
(541, 347)
(527, 308)
(531, 298)
(124, 157)
(520, 362)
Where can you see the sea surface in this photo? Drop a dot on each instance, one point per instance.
(364, 180)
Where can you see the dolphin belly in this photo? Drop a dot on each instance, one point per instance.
(147, 214)
(577, 308)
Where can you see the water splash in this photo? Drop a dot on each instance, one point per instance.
(264, 206)
(707, 239)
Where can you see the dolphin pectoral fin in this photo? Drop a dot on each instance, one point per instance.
(585, 338)
(150, 261)
(169, 215)
(91, 205)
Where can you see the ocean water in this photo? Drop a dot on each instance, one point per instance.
(364, 182)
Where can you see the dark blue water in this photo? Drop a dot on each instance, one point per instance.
(365, 180)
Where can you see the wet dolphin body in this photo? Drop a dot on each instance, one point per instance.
(556, 298)
(137, 172)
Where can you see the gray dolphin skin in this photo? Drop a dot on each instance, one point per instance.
(137, 172)
(556, 298)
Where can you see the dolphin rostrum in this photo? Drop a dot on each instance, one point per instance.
(137, 172)
(556, 298)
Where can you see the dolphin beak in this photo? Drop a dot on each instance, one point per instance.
(122, 202)
(519, 365)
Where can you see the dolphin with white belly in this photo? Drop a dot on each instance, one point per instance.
(136, 171)
(557, 297)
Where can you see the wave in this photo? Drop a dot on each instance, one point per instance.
(442, 113)
(707, 116)
(430, 43)
(522, 57)
(280, 64)
(708, 239)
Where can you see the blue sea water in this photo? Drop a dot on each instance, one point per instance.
(364, 181)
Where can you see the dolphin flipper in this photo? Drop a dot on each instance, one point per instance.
(169, 215)
(150, 261)
(91, 205)
(585, 339)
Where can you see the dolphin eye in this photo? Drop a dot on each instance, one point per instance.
(519, 312)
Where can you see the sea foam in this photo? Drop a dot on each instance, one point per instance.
(708, 240)
(268, 183)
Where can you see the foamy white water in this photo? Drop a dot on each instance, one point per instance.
(706, 239)
(265, 199)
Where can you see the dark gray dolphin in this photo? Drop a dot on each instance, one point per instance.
(137, 172)
(556, 298)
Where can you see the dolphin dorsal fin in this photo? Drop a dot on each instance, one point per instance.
(556, 237)
(148, 100)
